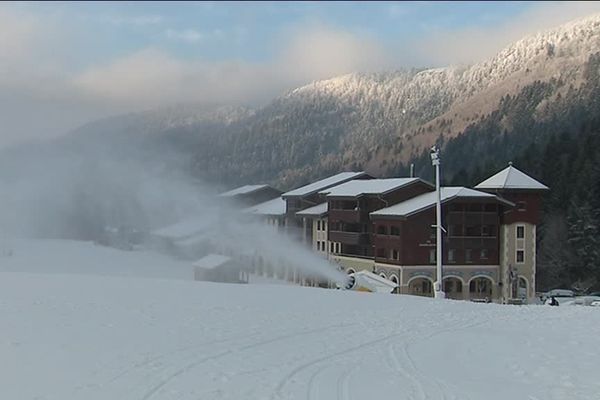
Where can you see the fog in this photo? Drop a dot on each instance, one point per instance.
(88, 192)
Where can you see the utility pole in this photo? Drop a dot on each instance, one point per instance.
(435, 161)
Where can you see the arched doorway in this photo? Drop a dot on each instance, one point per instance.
(480, 288)
(522, 288)
(453, 287)
(421, 287)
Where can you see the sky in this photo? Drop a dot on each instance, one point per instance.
(65, 64)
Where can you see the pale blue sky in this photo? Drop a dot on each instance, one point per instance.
(252, 31)
(63, 64)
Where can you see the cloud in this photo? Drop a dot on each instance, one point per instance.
(186, 35)
(43, 94)
(151, 77)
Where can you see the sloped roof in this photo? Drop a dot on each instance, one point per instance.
(187, 228)
(270, 207)
(211, 261)
(428, 200)
(316, 211)
(511, 178)
(246, 189)
(368, 186)
(324, 184)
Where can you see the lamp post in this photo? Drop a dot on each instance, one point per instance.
(435, 161)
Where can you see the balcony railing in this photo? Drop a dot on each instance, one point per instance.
(345, 215)
(354, 238)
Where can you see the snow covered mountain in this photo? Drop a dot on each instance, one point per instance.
(364, 120)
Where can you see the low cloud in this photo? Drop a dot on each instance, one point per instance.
(43, 95)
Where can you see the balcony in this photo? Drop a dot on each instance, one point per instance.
(345, 215)
(353, 238)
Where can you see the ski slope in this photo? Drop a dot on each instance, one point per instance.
(83, 336)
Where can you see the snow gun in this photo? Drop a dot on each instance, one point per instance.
(365, 281)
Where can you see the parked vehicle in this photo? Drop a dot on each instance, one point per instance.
(563, 296)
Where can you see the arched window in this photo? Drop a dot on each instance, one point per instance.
(383, 275)
(394, 279)
(350, 271)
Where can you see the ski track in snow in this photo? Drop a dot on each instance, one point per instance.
(165, 340)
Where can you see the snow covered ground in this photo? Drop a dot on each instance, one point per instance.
(69, 336)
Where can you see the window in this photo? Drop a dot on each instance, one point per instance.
(382, 230)
(520, 256)
(324, 225)
(322, 246)
(456, 230)
(318, 225)
(468, 256)
(484, 254)
(451, 256)
(394, 254)
(433, 232)
(331, 247)
(473, 230)
(318, 245)
(432, 256)
(383, 275)
(520, 232)
(394, 230)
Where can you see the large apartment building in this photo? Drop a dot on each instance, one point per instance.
(386, 226)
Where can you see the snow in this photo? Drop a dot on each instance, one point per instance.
(511, 178)
(211, 261)
(243, 190)
(76, 257)
(275, 206)
(427, 200)
(80, 337)
(315, 211)
(368, 186)
(324, 184)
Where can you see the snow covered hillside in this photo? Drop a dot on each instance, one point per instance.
(90, 337)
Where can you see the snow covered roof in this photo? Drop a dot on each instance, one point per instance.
(315, 211)
(211, 261)
(270, 207)
(186, 228)
(427, 200)
(324, 184)
(368, 186)
(243, 190)
(511, 178)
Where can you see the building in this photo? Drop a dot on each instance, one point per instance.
(518, 230)
(405, 243)
(272, 211)
(250, 195)
(488, 245)
(308, 196)
(350, 230)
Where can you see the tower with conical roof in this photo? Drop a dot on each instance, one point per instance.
(518, 230)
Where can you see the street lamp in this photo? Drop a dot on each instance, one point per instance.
(435, 161)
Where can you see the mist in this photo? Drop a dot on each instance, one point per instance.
(68, 190)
